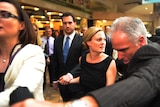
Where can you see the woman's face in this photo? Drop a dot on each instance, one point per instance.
(35, 30)
(9, 26)
(98, 42)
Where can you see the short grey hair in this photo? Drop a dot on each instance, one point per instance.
(132, 26)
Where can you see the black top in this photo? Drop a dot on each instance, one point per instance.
(2, 81)
(93, 75)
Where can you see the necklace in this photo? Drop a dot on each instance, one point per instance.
(4, 60)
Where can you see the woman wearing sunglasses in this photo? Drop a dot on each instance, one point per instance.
(21, 62)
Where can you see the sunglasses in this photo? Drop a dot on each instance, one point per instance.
(6, 14)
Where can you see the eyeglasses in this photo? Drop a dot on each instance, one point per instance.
(5, 14)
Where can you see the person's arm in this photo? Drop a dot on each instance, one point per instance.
(111, 73)
(134, 91)
(75, 80)
(35, 103)
(65, 79)
(28, 63)
(75, 72)
(87, 101)
(72, 81)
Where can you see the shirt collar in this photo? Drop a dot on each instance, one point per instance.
(71, 36)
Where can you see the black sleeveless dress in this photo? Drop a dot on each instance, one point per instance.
(93, 75)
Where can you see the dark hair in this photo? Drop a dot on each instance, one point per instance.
(26, 35)
(68, 14)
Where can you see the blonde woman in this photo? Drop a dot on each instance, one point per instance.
(97, 68)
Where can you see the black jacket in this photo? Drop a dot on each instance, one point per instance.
(141, 86)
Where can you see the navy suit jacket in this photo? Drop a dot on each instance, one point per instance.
(75, 51)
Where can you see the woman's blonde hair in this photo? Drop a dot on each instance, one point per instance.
(89, 34)
(38, 38)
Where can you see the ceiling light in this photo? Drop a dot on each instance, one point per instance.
(49, 13)
(78, 18)
(104, 21)
(60, 14)
(22, 7)
(54, 13)
(30, 7)
(38, 16)
(146, 8)
(36, 8)
(56, 20)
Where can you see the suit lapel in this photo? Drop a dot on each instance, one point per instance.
(61, 46)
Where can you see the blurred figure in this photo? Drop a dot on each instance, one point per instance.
(48, 46)
(156, 37)
(106, 29)
(157, 31)
(38, 40)
(108, 49)
(55, 33)
(83, 30)
(21, 62)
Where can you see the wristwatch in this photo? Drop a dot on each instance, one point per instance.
(77, 103)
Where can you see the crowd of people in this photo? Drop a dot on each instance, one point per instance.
(81, 67)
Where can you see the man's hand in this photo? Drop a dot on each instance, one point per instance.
(55, 85)
(48, 60)
(65, 79)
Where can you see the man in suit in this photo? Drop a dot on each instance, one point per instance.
(156, 36)
(48, 46)
(59, 65)
(108, 49)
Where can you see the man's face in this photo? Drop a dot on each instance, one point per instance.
(68, 25)
(125, 47)
(48, 32)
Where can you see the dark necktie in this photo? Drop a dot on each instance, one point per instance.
(47, 47)
(65, 49)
